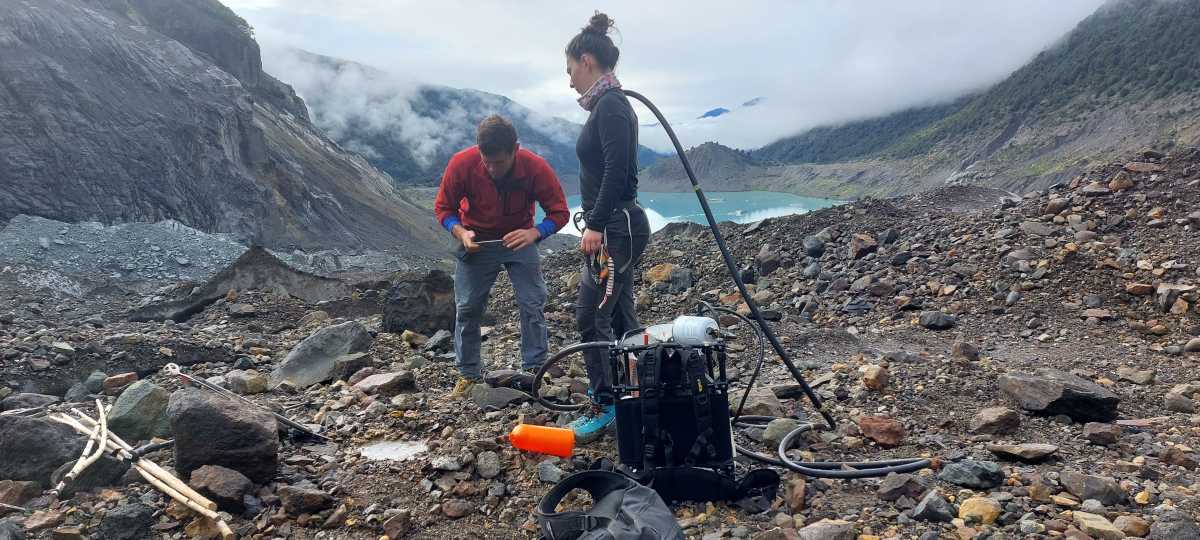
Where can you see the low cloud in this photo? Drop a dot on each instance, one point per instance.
(817, 62)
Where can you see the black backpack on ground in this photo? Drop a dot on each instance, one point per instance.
(623, 510)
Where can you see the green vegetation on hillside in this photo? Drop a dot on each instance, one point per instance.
(1129, 50)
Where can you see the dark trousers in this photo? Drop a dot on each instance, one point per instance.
(627, 235)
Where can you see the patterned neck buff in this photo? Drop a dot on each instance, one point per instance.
(606, 82)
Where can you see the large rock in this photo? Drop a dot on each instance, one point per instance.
(423, 303)
(301, 500)
(246, 382)
(895, 486)
(777, 429)
(496, 398)
(1053, 392)
(996, 421)
(1086, 486)
(140, 413)
(27, 401)
(222, 485)
(32, 448)
(106, 471)
(814, 247)
(761, 402)
(18, 492)
(211, 430)
(10, 529)
(314, 359)
(886, 432)
(828, 529)
(127, 522)
(936, 320)
(388, 384)
(681, 280)
(973, 474)
(768, 260)
(1031, 452)
(933, 507)
(1097, 526)
(1174, 525)
(861, 245)
(981, 510)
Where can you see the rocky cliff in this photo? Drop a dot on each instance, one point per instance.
(143, 110)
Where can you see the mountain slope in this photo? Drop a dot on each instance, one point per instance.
(1125, 78)
(719, 167)
(143, 110)
(411, 129)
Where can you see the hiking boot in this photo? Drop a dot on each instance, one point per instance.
(592, 424)
(462, 388)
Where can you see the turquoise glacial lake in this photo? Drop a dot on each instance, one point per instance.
(736, 206)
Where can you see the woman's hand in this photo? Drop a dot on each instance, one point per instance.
(590, 243)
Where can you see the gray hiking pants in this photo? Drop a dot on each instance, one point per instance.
(627, 236)
(474, 275)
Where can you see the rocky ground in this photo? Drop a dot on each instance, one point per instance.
(1043, 349)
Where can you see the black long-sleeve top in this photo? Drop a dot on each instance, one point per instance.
(607, 150)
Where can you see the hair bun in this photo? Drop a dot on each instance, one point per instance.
(599, 24)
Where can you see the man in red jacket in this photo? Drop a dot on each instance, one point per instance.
(486, 201)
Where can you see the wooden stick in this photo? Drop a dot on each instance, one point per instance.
(152, 468)
(97, 437)
(168, 484)
(156, 470)
(226, 532)
(11, 507)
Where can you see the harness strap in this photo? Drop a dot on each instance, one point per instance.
(649, 374)
(698, 384)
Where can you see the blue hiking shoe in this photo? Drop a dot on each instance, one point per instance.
(592, 424)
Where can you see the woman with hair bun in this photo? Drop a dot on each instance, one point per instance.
(617, 230)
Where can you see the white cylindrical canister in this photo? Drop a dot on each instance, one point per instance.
(694, 331)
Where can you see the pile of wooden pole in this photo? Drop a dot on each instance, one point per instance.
(164, 481)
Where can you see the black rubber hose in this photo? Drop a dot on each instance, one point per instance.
(541, 372)
(815, 469)
(761, 353)
(732, 265)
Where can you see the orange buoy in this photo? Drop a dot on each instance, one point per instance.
(554, 441)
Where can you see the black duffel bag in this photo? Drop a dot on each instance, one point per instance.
(623, 510)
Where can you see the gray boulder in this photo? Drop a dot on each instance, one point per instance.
(973, 474)
(32, 448)
(1086, 486)
(1053, 392)
(27, 401)
(934, 507)
(496, 398)
(140, 413)
(1174, 525)
(314, 360)
(222, 485)
(127, 522)
(212, 430)
(106, 471)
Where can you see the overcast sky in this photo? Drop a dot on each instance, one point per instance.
(815, 61)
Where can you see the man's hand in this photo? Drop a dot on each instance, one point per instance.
(590, 243)
(521, 238)
(467, 237)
